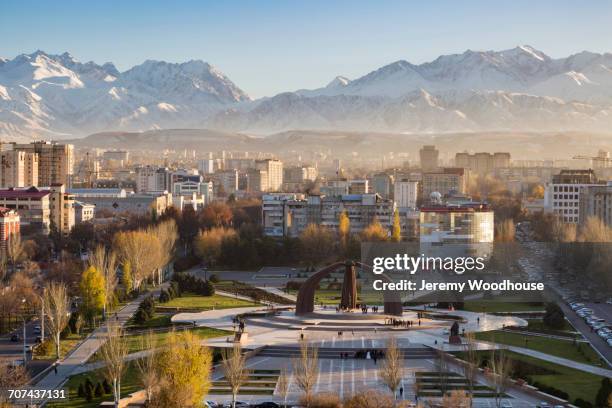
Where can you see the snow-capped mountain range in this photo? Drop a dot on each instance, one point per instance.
(55, 96)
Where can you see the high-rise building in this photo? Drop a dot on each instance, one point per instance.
(382, 184)
(257, 181)
(274, 173)
(429, 158)
(562, 194)
(482, 163)
(445, 181)
(152, 179)
(55, 161)
(18, 169)
(406, 193)
(226, 181)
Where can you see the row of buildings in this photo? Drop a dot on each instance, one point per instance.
(287, 215)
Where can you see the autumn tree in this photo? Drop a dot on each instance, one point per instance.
(184, 368)
(105, 261)
(141, 249)
(57, 309)
(306, 369)
(126, 277)
(456, 399)
(375, 232)
(396, 234)
(344, 229)
(505, 231)
(317, 243)
(207, 245)
(392, 367)
(113, 352)
(93, 294)
(370, 399)
(216, 215)
(11, 377)
(233, 366)
(167, 232)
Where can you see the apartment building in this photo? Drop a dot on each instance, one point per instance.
(18, 168)
(257, 181)
(466, 224)
(446, 181)
(55, 161)
(273, 171)
(482, 163)
(289, 214)
(406, 193)
(562, 195)
(596, 201)
(9, 226)
(152, 179)
(382, 184)
(83, 211)
(429, 156)
(226, 180)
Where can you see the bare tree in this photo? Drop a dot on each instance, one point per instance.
(282, 385)
(442, 369)
(113, 353)
(306, 369)
(147, 366)
(234, 370)
(105, 261)
(499, 375)
(471, 356)
(14, 250)
(392, 367)
(56, 305)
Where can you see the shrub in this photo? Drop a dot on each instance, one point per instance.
(107, 387)
(99, 391)
(554, 317)
(81, 391)
(293, 285)
(323, 400)
(89, 390)
(603, 395)
(214, 278)
(579, 402)
(186, 262)
(164, 296)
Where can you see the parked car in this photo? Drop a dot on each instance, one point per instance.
(268, 404)
(15, 338)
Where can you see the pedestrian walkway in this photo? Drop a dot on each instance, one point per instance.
(83, 352)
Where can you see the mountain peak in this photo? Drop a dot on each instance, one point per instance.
(339, 82)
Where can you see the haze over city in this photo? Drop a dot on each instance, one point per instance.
(305, 204)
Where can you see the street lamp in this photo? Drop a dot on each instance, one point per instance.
(24, 337)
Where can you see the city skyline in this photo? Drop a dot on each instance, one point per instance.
(298, 45)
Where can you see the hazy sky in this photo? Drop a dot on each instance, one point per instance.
(267, 47)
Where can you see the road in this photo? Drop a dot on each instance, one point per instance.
(540, 257)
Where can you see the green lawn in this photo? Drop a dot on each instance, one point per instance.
(191, 301)
(129, 384)
(332, 297)
(489, 306)
(47, 351)
(158, 320)
(134, 342)
(576, 383)
(581, 352)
